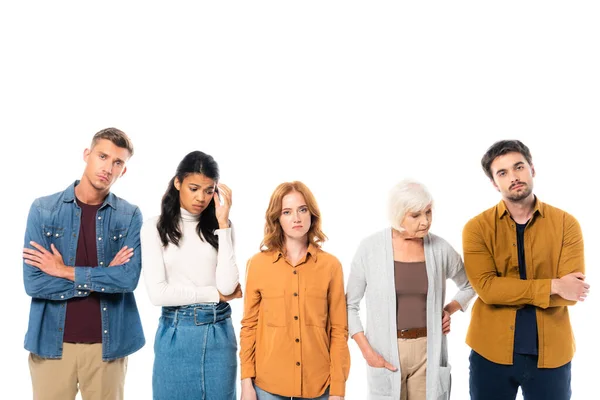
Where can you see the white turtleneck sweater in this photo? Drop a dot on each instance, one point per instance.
(192, 273)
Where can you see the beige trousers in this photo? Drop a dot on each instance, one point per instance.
(413, 368)
(80, 368)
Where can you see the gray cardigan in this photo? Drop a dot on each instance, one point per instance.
(373, 272)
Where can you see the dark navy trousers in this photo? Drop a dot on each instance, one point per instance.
(491, 381)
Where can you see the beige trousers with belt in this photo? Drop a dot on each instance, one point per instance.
(413, 368)
(80, 368)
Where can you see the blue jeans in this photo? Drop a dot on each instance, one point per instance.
(195, 353)
(491, 381)
(262, 395)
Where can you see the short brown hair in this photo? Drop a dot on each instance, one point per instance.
(500, 148)
(274, 238)
(117, 136)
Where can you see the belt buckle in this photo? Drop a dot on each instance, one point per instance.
(196, 322)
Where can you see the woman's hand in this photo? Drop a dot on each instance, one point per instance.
(222, 210)
(248, 392)
(445, 322)
(375, 360)
(237, 294)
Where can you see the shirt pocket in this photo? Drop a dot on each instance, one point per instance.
(116, 238)
(53, 234)
(274, 307)
(380, 381)
(315, 307)
(444, 380)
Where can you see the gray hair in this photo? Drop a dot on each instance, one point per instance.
(407, 196)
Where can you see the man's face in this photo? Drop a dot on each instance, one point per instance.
(105, 163)
(513, 176)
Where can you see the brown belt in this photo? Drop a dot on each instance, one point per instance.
(412, 333)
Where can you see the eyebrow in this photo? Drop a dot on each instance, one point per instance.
(289, 208)
(514, 166)
(200, 186)
(117, 159)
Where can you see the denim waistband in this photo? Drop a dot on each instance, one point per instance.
(199, 314)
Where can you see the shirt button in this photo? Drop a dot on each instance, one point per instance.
(105, 331)
(296, 317)
(298, 363)
(84, 285)
(295, 294)
(514, 244)
(79, 292)
(101, 263)
(99, 238)
(62, 296)
(102, 289)
(114, 238)
(295, 272)
(60, 329)
(74, 235)
(99, 217)
(104, 309)
(56, 235)
(512, 328)
(49, 234)
(297, 340)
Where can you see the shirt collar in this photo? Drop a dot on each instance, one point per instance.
(312, 251)
(69, 197)
(538, 208)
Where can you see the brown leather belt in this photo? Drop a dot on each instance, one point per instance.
(412, 333)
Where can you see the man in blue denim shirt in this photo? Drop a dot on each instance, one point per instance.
(82, 262)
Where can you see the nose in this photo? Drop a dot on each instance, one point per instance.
(107, 168)
(514, 176)
(201, 197)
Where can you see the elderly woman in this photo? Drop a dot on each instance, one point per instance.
(405, 270)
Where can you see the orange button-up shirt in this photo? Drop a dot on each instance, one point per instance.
(294, 336)
(553, 248)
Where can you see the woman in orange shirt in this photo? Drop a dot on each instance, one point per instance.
(294, 331)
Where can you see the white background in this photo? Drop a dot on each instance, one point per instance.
(348, 97)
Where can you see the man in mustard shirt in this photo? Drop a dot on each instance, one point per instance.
(524, 258)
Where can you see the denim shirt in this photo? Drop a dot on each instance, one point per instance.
(56, 219)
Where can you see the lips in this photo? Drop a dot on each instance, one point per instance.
(297, 227)
(518, 186)
(103, 178)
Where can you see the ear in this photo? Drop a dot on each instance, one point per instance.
(86, 154)
(532, 171)
(124, 170)
(176, 183)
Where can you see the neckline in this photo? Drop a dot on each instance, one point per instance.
(188, 216)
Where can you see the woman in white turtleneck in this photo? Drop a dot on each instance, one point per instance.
(190, 270)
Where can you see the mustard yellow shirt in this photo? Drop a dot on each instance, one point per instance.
(553, 248)
(294, 336)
